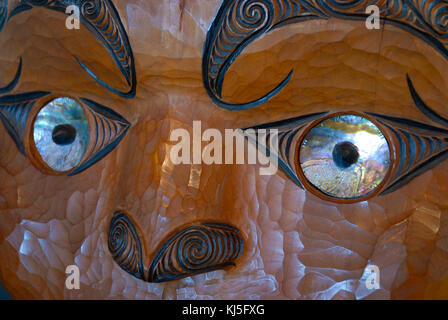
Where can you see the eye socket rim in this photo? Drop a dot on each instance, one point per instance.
(30, 146)
(319, 193)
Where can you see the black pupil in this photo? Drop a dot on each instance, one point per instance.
(345, 154)
(64, 134)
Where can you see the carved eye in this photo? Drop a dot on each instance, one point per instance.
(64, 135)
(345, 157)
(68, 137)
(61, 134)
(350, 157)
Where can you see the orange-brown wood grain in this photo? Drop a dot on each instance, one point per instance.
(297, 245)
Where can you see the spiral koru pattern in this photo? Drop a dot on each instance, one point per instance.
(101, 18)
(92, 9)
(197, 249)
(435, 13)
(124, 245)
(240, 22)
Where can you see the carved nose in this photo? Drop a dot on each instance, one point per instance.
(195, 248)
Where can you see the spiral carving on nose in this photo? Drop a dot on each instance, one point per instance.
(124, 245)
(197, 249)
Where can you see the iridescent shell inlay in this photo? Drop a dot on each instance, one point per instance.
(345, 156)
(61, 134)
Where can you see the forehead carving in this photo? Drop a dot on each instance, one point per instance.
(240, 22)
(102, 19)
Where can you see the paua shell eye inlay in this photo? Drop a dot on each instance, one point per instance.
(61, 134)
(345, 156)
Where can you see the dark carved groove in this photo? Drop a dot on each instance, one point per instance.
(421, 146)
(14, 110)
(124, 245)
(10, 86)
(21, 7)
(418, 127)
(196, 249)
(287, 131)
(110, 128)
(431, 114)
(402, 147)
(101, 18)
(3, 12)
(419, 169)
(240, 22)
(289, 124)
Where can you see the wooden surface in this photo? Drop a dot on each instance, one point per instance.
(297, 245)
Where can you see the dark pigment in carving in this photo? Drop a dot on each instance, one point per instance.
(240, 22)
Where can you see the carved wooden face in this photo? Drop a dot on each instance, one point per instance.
(90, 181)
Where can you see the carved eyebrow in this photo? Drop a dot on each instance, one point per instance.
(240, 22)
(103, 21)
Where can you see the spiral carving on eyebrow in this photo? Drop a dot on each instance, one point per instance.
(197, 249)
(101, 18)
(124, 245)
(240, 22)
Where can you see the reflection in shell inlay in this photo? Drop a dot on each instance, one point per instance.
(61, 111)
(321, 146)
